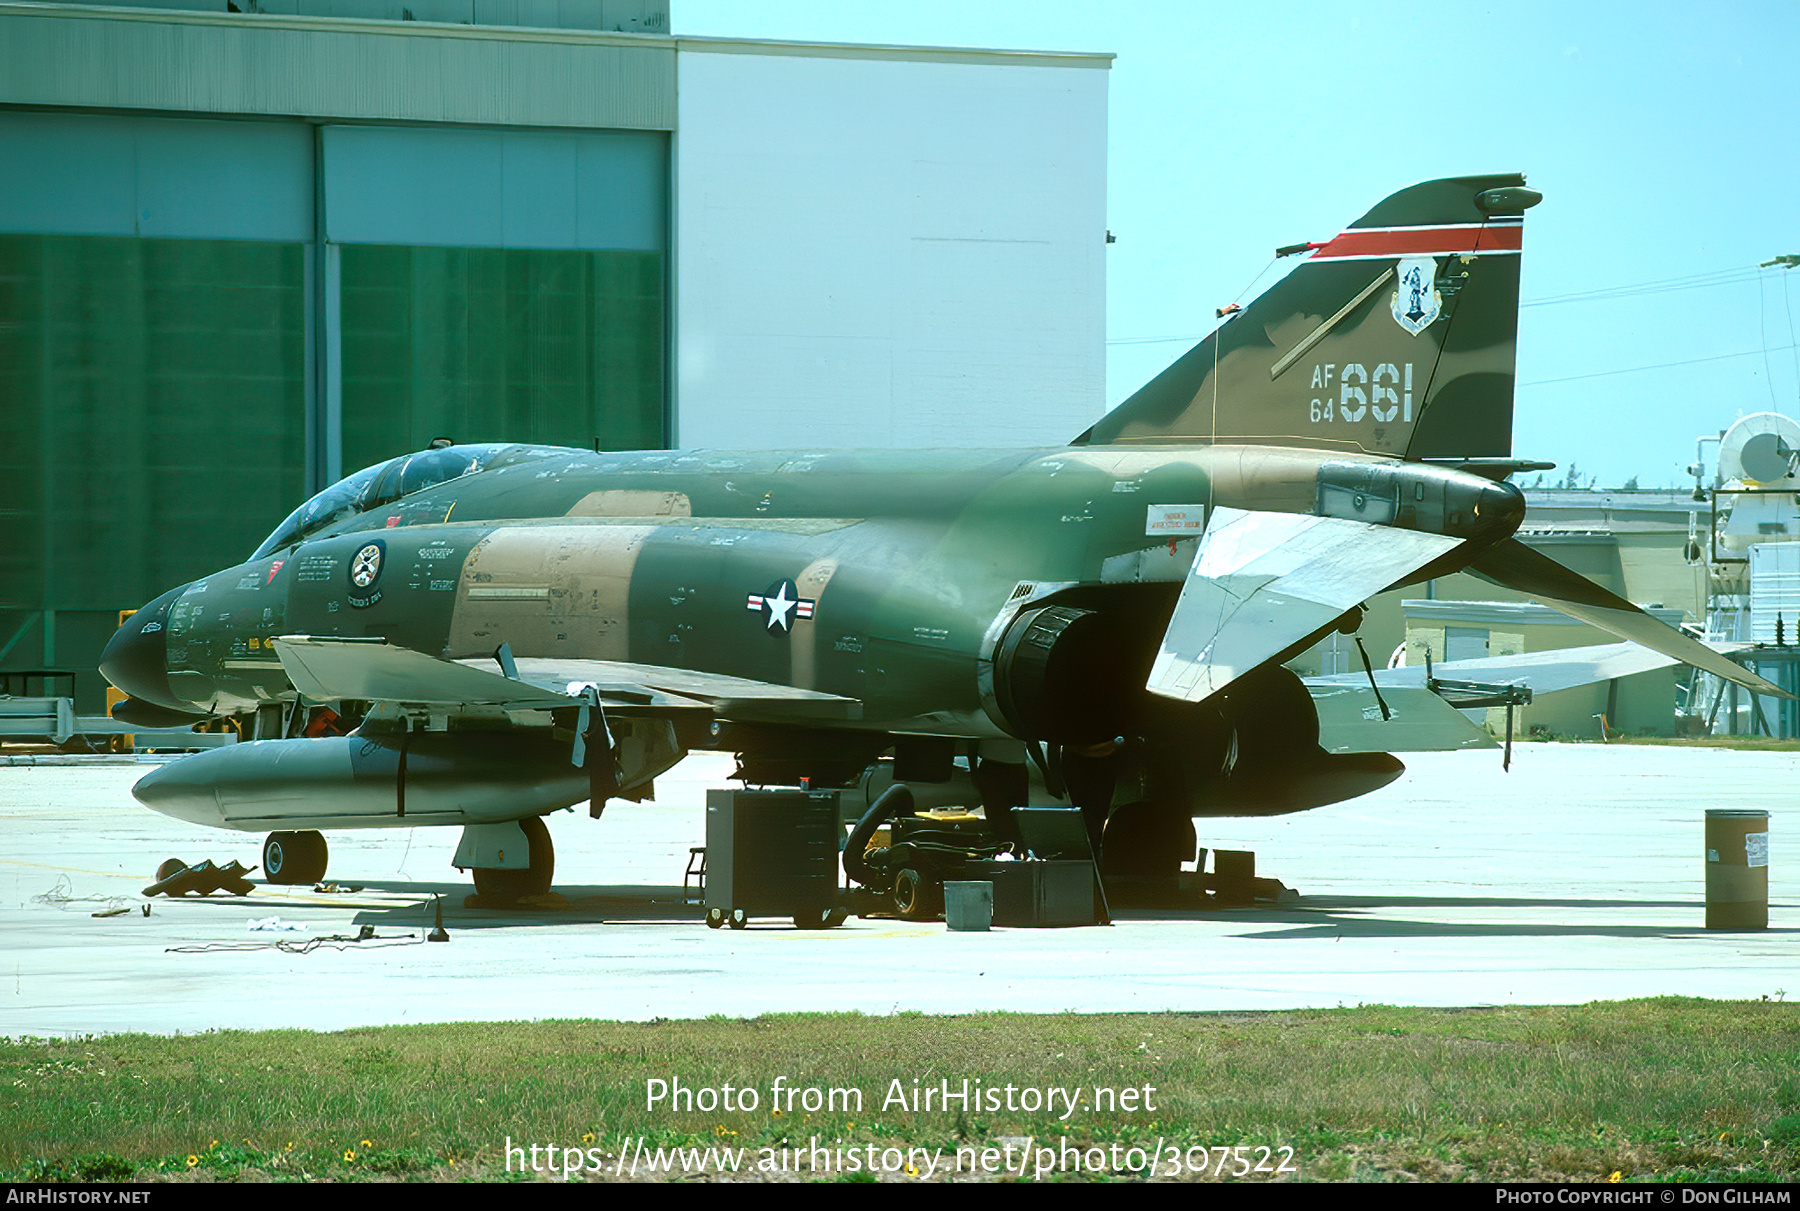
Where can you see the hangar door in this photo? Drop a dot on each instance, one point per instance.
(495, 286)
(191, 344)
(153, 322)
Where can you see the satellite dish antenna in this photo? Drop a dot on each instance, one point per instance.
(1762, 448)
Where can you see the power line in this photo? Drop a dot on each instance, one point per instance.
(1697, 281)
(1692, 361)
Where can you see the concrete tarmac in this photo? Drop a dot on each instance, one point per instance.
(1578, 876)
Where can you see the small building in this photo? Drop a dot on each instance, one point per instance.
(1642, 704)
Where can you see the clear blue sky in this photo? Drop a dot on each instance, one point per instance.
(1665, 138)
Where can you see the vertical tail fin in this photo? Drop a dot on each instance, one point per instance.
(1397, 337)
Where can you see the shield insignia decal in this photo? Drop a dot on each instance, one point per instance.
(365, 574)
(1417, 301)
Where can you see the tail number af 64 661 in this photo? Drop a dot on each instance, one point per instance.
(1386, 393)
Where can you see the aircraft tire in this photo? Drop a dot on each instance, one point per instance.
(507, 886)
(308, 865)
(294, 858)
(274, 856)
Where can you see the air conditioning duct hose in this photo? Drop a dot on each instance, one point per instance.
(896, 800)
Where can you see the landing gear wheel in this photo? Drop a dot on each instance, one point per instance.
(914, 897)
(1147, 839)
(819, 918)
(739, 919)
(295, 858)
(508, 886)
(170, 866)
(715, 918)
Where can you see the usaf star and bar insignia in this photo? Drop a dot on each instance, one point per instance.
(781, 606)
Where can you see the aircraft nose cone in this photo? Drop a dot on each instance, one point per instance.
(136, 658)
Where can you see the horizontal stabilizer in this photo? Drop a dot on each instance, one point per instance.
(1417, 721)
(1263, 581)
(1513, 565)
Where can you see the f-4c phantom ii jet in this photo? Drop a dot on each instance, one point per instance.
(513, 629)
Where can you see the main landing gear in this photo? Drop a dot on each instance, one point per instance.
(300, 858)
(498, 886)
(295, 858)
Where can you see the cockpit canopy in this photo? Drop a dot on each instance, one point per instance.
(375, 486)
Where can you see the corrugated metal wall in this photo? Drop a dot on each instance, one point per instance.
(617, 16)
(184, 62)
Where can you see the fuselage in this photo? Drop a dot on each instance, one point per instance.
(881, 576)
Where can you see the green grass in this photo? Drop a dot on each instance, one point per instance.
(1651, 1090)
(1749, 744)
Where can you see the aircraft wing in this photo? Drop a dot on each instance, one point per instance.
(1261, 582)
(1513, 565)
(1542, 672)
(373, 670)
(731, 697)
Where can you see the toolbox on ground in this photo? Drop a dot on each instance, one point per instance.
(1038, 893)
(772, 854)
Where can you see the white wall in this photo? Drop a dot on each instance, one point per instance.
(888, 252)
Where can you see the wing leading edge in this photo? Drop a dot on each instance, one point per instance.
(372, 670)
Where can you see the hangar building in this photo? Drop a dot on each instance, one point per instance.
(248, 246)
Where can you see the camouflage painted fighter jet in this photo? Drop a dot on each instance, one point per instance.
(513, 629)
